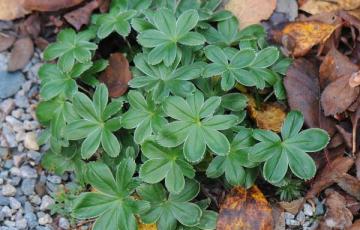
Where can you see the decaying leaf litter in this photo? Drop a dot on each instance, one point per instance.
(322, 82)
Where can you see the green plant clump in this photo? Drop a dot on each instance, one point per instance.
(144, 153)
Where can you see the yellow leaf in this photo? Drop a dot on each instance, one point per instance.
(251, 11)
(270, 116)
(142, 226)
(244, 210)
(302, 36)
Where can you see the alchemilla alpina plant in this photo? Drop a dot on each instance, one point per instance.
(146, 153)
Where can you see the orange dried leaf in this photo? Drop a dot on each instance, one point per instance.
(305, 35)
(245, 209)
(251, 11)
(323, 6)
(270, 116)
(142, 226)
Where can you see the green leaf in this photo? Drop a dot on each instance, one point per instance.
(100, 99)
(216, 55)
(192, 39)
(110, 143)
(301, 164)
(209, 107)
(152, 38)
(84, 107)
(91, 144)
(217, 142)
(195, 146)
(221, 122)
(310, 140)
(276, 167)
(234, 101)
(243, 58)
(186, 22)
(292, 124)
(79, 129)
(176, 107)
(266, 57)
(100, 177)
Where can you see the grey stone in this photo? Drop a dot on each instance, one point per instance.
(7, 106)
(35, 199)
(7, 211)
(288, 215)
(31, 219)
(288, 7)
(30, 141)
(19, 159)
(14, 204)
(16, 125)
(4, 201)
(35, 156)
(64, 223)
(1, 181)
(14, 171)
(46, 219)
(291, 222)
(21, 101)
(28, 172)
(31, 125)
(4, 152)
(9, 136)
(308, 210)
(9, 223)
(46, 202)
(15, 181)
(54, 179)
(8, 164)
(28, 207)
(10, 83)
(8, 190)
(21, 224)
(17, 113)
(28, 186)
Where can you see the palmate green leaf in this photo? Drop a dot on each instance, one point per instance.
(96, 123)
(227, 33)
(112, 205)
(196, 127)
(70, 47)
(143, 115)
(160, 80)
(245, 66)
(165, 163)
(169, 210)
(169, 35)
(291, 151)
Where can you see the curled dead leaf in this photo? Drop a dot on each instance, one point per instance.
(245, 209)
(117, 75)
(354, 79)
(269, 116)
(81, 16)
(337, 216)
(326, 177)
(21, 54)
(251, 11)
(349, 184)
(6, 41)
(293, 206)
(338, 96)
(305, 35)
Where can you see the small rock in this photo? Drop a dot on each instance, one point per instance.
(17, 113)
(46, 219)
(21, 101)
(28, 186)
(288, 215)
(40, 188)
(8, 190)
(292, 222)
(308, 210)
(16, 125)
(15, 181)
(7, 106)
(35, 156)
(28, 172)
(46, 202)
(14, 204)
(300, 217)
(4, 201)
(7, 211)
(31, 125)
(31, 220)
(30, 141)
(9, 223)
(21, 224)
(4, 153)
(19, 159)
(9, 136)
(10, 83)
(64, 223)
(54, 179)
(35, 199)
(14, 171)
(289, 7)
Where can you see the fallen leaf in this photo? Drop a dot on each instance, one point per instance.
(81, 16)
(49, 5)
(303, 93)
(354, 79)
(41, 43)
(142, 226)
(346, 133)
(306, 35)
(334, 66)
(322, 6)
(12, 9)
(31, 26)
(269, 116)
(338, 96)
(117, 75)
(355, 225)
(349, 184)
(326, 177)
(245, 209)
(251, 11)
(21, 54)
(6, 41)
(337, 216)
(293, 206)
(278, 215)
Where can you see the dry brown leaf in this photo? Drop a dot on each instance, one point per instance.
(326, 177)
(21, 54)
(349, 184)
(306, 35)
(6, 41)
(323, 6)
(31, 26)
(117, 75)
(12, 9)
(338, 96)
(334, 66)
(354, 79)
(293, 206)
(278, 215)
(251, 11)
(245, 209)
(270, 116)
(303, 93)
(355, 225)
(49, 5)
(142, 226)
(337, 216)
(81, 16)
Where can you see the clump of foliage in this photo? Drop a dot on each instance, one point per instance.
(140, 152)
